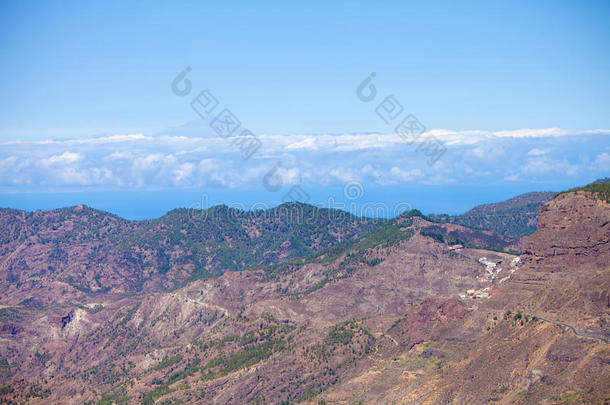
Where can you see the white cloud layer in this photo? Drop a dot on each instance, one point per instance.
(175, 160)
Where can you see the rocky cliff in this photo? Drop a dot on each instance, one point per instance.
(566, 271)
(573, 230)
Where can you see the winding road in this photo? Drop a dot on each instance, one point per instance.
(600, 337)
(588, 335)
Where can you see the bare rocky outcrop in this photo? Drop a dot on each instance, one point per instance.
(566, 271)
(573, 230)
(428, 317)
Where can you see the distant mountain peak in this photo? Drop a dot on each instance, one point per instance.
(605, 180)
(513, 217)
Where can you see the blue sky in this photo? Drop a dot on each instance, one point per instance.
(516, 92)
(73, 69)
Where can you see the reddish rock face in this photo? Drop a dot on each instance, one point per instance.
(437, 310)
(573, 229)
(566, 271)
(428, 317)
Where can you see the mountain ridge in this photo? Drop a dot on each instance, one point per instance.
(514, 217)
(380, 318)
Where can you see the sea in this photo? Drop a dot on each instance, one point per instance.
(369, 201)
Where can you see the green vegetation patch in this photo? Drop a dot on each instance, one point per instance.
(599, 191)
(225, 364)
(341, 335)
(168, 361)
(568, 398)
